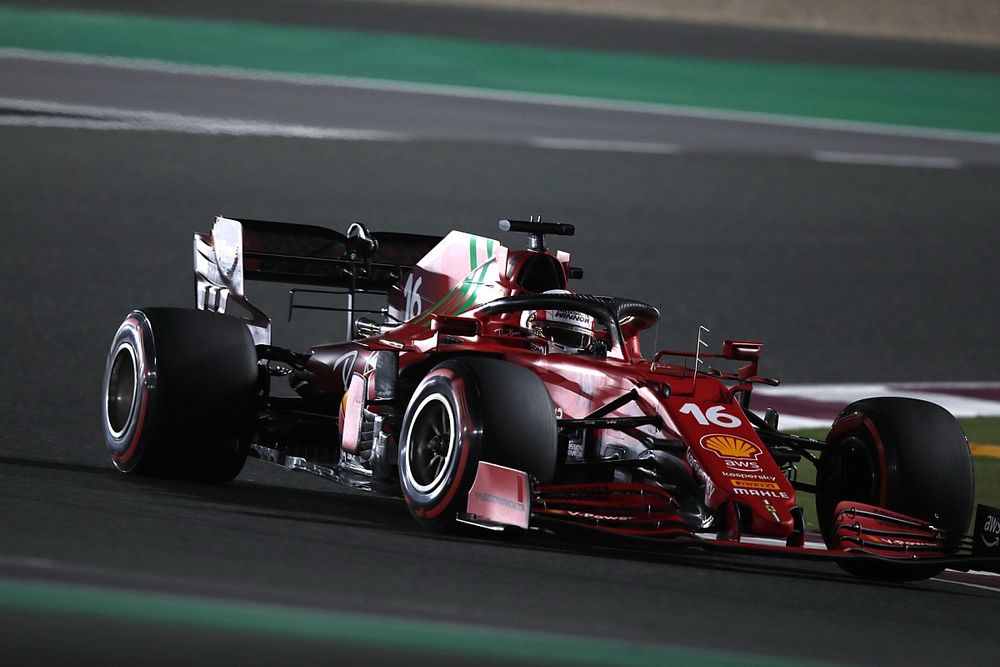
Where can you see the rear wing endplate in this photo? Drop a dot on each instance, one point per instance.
(238, 250)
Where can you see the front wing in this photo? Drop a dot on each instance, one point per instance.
(502, 498)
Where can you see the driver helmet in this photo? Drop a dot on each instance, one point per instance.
(567, 331)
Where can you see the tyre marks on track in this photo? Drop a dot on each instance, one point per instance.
(16, 112)
(39, 113)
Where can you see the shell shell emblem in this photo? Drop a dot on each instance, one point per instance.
(731, 447)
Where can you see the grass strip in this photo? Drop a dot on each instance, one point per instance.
(378, 632)
(937, 99)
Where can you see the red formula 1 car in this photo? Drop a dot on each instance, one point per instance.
(491, 395)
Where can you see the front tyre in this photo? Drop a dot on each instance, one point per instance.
(905, 455)
(179, 386)
(463, 412)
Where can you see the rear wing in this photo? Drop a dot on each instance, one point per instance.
(238, 250)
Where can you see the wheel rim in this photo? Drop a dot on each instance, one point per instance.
(121, 391)
(430, 443)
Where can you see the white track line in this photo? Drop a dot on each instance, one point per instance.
(558, 143)
(109, 118)
(888, 160)
(130, 120)
(842, 394)
(967, 583)
(790, 422)
(470, 92)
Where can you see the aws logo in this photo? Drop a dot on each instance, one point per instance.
(987, 533)
(731, 447)
(991, 531)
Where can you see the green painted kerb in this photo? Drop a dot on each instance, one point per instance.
(378, 632)
(953, 100)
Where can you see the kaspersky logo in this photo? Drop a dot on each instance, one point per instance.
(731, 447)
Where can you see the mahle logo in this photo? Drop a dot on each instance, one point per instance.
(731, 447)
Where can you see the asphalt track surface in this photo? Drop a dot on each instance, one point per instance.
(846, 271)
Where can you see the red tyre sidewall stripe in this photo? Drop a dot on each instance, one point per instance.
(462, 410)
(883, 491)
(462, 420)
(440, 372)
(859, 420)
(138, 331)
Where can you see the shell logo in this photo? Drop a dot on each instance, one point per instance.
(731, 447)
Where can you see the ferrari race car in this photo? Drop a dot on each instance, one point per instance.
(488, 394)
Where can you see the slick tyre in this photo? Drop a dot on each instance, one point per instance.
(466, 411)
(179, 386)
(905, 455)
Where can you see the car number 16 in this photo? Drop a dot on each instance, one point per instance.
(716, 415)
(411, 295)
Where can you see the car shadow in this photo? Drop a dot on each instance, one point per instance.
(339, 506)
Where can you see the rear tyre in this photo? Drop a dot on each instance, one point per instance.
(463, 412)
(179, 386)
(905, 455)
